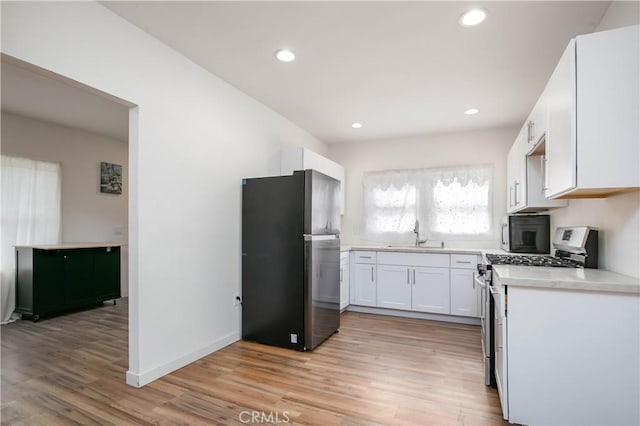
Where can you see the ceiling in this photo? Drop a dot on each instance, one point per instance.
(402, 69)
(35, 95)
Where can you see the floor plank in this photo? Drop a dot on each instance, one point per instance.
(70, 369)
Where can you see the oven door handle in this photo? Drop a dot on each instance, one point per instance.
(480, 281)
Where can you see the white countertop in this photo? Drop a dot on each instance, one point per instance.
(566, 278)
(413, 249)
(62, 246)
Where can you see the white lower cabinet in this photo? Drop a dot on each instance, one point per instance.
(344, 280)
(362, 278)
(431, 290)
(364, 285)
(394, 287)
(500, 350)
(437, 283)
(567, 356)
(413, 281)
(464, 293)
(413, 288)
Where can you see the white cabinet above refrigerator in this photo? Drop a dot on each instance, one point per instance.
(302, 159)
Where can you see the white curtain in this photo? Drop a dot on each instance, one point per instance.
(452, 203)
(390, 206)
(30, 215)
(456, 203)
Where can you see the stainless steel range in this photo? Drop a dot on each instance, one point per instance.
(575, 247)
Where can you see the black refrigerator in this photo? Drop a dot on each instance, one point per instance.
(291, 259)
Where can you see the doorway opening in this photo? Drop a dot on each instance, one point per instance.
(49, 118)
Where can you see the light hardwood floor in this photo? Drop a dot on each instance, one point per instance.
(377, 370)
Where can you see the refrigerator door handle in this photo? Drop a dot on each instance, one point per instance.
(312, 237)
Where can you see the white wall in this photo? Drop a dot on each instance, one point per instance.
(620, 14)
(455, 149)
(87, 215)
(193, 138)
(617, 217)
(618, 221)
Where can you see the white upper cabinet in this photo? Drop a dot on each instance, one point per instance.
(560, 142)
(516, 174)
(592, 140)
(535, 189)
(536, 125)
(302, 159)
(525, 175)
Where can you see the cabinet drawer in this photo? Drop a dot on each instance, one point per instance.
(436, 260)
(464, 261)
(364, 257)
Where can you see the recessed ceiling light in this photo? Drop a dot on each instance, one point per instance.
(472, 111)
(357, 125)
(472, 17)
(285, 55)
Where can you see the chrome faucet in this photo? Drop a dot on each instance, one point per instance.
(416, 230)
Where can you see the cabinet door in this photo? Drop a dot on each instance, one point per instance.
(561, 125)
(464, 293)
(344, 282)
(394, 287)
(365, 284)
(521, 172)
(107, 273)
(608, 107)
(536, 123)
(512, 177)
(49, 293)
(78, 276)
(501, 362)
(430, 292)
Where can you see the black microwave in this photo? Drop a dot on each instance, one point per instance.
(527, 234)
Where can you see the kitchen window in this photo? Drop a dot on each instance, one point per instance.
(452, 203)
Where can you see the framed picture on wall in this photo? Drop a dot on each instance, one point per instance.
(110, 178)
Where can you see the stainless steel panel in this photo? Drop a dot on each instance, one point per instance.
(309, 237)
(487, 371)
(571, 239)
(323, 205)
(322, 301)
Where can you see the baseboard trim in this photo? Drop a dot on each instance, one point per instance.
(412, 314)
(138, 380)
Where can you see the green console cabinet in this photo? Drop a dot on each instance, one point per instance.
(56, 278)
